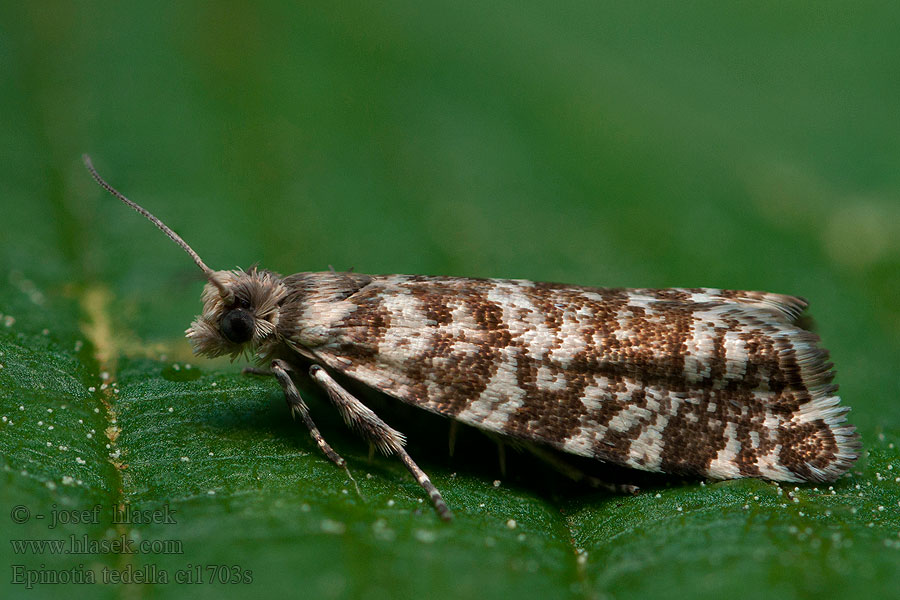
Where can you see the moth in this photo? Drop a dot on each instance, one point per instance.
(699, 382)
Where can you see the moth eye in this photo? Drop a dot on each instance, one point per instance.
(237, 325)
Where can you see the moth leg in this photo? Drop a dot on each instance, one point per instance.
(390, 441)
(255, 371)
(451, 442)
(501, 456)
(298, 408)
(575, 474)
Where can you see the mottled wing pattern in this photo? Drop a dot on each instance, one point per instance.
(687, 381)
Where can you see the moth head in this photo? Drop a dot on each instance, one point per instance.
(246, 319)
(240, 308)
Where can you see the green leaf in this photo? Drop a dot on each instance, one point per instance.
(610, 145)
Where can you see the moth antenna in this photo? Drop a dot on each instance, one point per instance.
(226, 294)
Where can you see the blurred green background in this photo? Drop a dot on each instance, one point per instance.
(749, 146)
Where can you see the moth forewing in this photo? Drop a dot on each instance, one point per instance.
(702, 382)
(699, 381)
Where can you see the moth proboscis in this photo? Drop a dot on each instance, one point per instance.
(688, 381)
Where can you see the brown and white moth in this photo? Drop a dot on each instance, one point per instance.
(700, 381)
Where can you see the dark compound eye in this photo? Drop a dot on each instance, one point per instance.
(237, 325)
